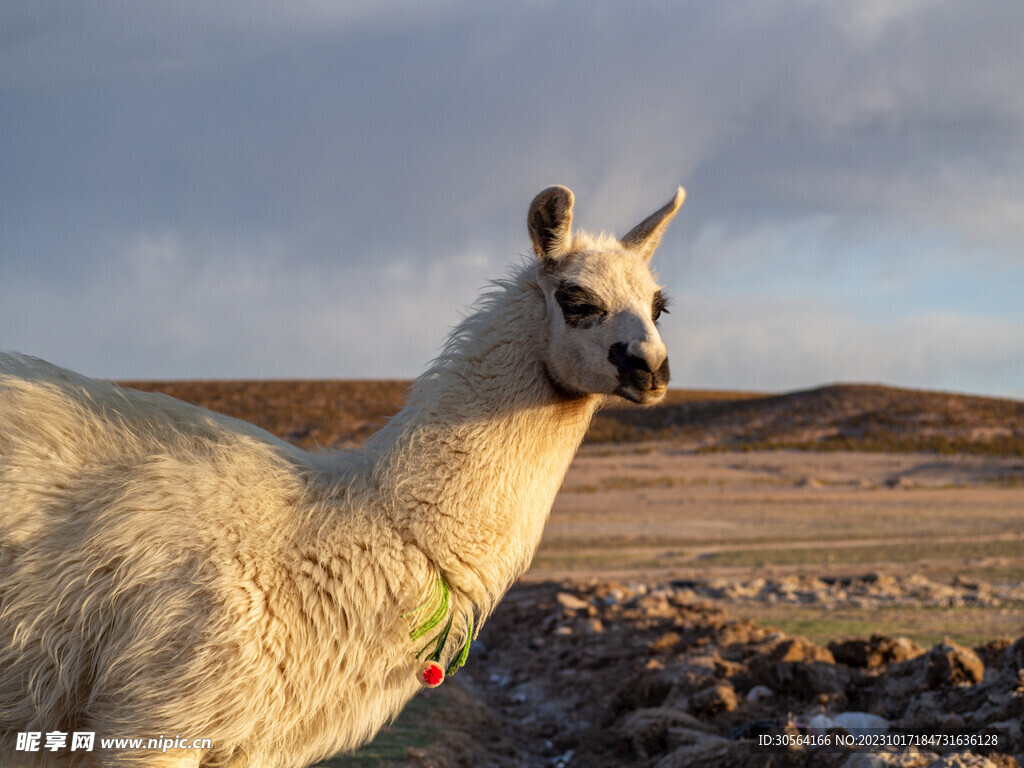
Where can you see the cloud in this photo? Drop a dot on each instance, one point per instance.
(176, 308)
(778, 344)
(259, 152)
(52, 44)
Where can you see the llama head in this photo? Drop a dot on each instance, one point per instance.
(602, 302)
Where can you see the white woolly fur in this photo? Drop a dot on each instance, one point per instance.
(166, 570)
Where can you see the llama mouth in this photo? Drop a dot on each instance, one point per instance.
(641, 397)
(653, 395)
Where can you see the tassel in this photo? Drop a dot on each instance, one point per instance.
(431, 675)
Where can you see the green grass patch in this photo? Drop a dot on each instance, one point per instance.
(1010, 573)
(414, 730)
(906, 552)
(926, 625)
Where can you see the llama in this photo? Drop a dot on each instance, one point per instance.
(170, 572)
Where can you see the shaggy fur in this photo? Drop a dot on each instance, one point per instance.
(168, 571)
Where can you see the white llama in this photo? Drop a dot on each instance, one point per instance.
(170, 572)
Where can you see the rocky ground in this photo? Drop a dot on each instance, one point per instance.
(600, 674)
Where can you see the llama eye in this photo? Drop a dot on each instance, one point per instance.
(578, 306)
(659, 307)
(586, 310)
(578, 314)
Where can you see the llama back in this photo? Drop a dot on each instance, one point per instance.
(64, 413)
(73, 447)
(130, 524)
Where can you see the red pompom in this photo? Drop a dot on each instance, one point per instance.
(431, 674)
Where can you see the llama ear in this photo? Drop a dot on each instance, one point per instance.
(549, 220)
(645, 236)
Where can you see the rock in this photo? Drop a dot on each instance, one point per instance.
(800, 649)
(646, 730)
(570, 602)
(798, 668)
(740, 633)
(827, 681)
(856, 723)
(992, 653)
(952, 664)
(879, 651)
(759, 693)
(656, 606)
(821, 722)
(1013, 657)
(642, 719)
(714, 700)
(800, 680)
(861, 722)
(924, 709)
(593, 627)
(666, 643)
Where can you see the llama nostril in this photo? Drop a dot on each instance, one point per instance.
(661, 376)
(618, 355)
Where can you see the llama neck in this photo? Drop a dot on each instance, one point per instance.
(471, 467)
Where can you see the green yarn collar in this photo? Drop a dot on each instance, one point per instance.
(436, 614)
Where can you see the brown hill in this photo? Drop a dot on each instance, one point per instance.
(837, 417)
(342, 414)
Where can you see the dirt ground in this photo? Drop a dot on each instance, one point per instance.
(685, 605)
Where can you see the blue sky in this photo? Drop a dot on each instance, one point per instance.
(221, 189)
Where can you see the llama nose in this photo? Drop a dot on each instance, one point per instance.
(649, 354)
(636, 370)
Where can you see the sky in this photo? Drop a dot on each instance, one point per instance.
(228, 189)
